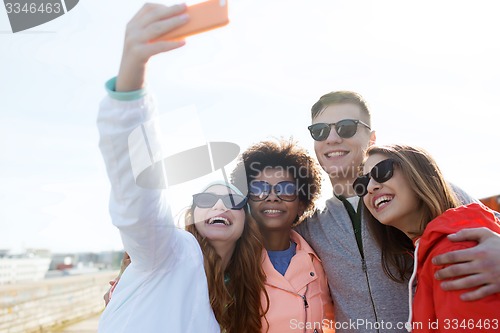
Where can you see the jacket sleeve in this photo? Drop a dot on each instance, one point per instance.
(143, 216)
(452, 313)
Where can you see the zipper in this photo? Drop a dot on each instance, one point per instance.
(357, 227)
(365, 270)
(304, 300)
(363, 263)
(306, 305)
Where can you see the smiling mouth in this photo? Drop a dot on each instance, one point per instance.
(218, 220)
(272, 211)
(383, 200)
(336, 153)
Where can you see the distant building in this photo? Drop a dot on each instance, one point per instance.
(83, 260)
(37, 264)
(492, 202)
(61, 261)
(25, 267)
(111, 259)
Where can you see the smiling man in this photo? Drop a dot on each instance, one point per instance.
(342, 132)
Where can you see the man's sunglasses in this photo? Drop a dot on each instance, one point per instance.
(260, 190)
(208, 200)
(345, 129)
(381, 172)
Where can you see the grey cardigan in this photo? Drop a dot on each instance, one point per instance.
(365, 299)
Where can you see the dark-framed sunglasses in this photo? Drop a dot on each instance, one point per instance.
(259, 190)
(381, 172)
(345, 128)
(208, 200)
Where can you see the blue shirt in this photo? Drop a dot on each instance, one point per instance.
(281, 259)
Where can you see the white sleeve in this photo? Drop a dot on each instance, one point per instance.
(143, 216)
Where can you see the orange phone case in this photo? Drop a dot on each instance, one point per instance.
(203, 16)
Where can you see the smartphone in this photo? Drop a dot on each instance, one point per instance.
(203, 16)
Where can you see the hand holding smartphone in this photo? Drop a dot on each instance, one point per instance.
(203, 16)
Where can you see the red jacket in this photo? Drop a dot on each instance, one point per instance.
(436, 310)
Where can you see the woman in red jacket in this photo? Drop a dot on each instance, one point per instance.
(404, 190)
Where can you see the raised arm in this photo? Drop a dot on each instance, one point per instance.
(142, 215)
(151, 22)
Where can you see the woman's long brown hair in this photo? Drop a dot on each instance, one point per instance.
(435, 197)
(237, 303)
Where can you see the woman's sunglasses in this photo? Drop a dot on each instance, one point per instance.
(260, 190)
(208, 200)
(381, 172)
(345, 129)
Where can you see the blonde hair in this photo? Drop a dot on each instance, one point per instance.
(341, 97)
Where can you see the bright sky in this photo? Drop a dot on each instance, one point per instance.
(429, 70)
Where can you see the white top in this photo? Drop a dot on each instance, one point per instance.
(165, 288)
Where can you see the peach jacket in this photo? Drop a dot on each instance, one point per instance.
(299, 301)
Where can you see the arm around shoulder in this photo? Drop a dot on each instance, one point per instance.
(478, 266)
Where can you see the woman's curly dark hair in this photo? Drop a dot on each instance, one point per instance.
(285, 154)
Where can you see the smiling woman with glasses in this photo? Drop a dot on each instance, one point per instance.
(235, 281)
(283, 182)
(412, 208)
